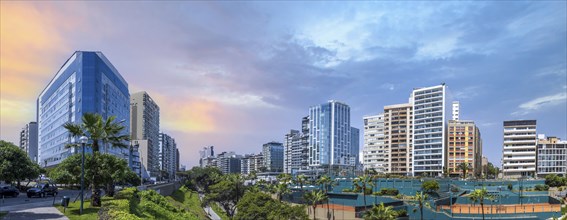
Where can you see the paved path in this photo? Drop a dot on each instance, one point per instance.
(49, 212)
(212, 214)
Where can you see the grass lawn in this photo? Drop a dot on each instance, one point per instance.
(188, 200)
(219, 211)
(73, 210)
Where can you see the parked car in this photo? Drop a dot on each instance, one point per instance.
(42, 190)
(9, 191)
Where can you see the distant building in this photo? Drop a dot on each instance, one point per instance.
(28, 140)
(355, 146)
(206, 155)
(292, 151)
(465, 146)
(273, 156)
(551, 156)
(374, 150)
(86, 83)
(228, 162)
(398, 127)
(519, 149)
(145, 126)
(167, 156)
(430, 113)
(484, 165)
(330, 135)
(456, 109)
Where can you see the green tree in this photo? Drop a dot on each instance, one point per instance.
(227, 193)
(15, 165)
(326, 182)
(381, 212)
(99, 131)
(464, 167)
(430, 186)
(313, 198)
(281, 189)
(421, 201)
(479, 195)
(259, 205)
(363, 184)
(200, 179)
(553, 180)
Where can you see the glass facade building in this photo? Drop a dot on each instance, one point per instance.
(330, 134)
(273, 156)
(86, 83)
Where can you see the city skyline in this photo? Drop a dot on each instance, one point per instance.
(236, 76)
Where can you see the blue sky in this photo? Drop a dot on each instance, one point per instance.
(239, 74)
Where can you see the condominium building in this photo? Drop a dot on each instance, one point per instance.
(398, 139)
(145, 126)
(464, 146)
(86, 83)
(28, 140)
(456, 109)
(374, 151)
(429, 118)
(229, 162)
(519, 149)
(167, 156)
(330, 135)
(273, 156)
(292, 151)
(205, 155)
(551, 156)
(252, 163)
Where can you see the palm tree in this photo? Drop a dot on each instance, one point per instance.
(300, 179)
(421, 200)
(326, 182)
(281, 189)
(99, 131)
(479, 195)
(381, 212)
(464, 167)
(314, 197)
(362, 183)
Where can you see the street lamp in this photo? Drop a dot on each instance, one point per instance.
(83, 140)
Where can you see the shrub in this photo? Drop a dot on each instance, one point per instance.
(389, 191)
(510, 187)
(399, 196)
(402, 213)
(347, 190)
(541, 187)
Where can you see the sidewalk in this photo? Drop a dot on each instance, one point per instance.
(49, 212)
(212, 214)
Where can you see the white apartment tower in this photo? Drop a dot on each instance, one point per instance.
(429, 118)
(519, 149)
(456, 107)
(374, 150)
(28, 140)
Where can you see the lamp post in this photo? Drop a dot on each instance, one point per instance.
(83, 140)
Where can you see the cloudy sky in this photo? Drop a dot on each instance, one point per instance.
(239, 74)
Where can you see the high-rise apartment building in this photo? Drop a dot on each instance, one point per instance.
(551, 156)
(229, 162)
(464, 146)
(145, 126)
(430, 112)
(273, 156)
(86, 83)
(374, 151)
(455, 110)
(398, 139)
(519, 149)
(167, 156)
(292, 151)
(329, 135)
(28, 140)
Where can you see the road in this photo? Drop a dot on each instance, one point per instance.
(212, 214)
(22, 202)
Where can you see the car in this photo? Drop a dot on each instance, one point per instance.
(9, 191)
(42, 189)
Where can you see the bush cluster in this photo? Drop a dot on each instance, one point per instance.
(387, 192)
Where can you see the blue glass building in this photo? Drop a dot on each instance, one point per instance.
(330, 134)
(273, 156)
(86, 83)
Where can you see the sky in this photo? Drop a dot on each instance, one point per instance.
(236, 75)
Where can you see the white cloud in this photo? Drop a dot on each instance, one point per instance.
(388, 86)
(541, 102)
